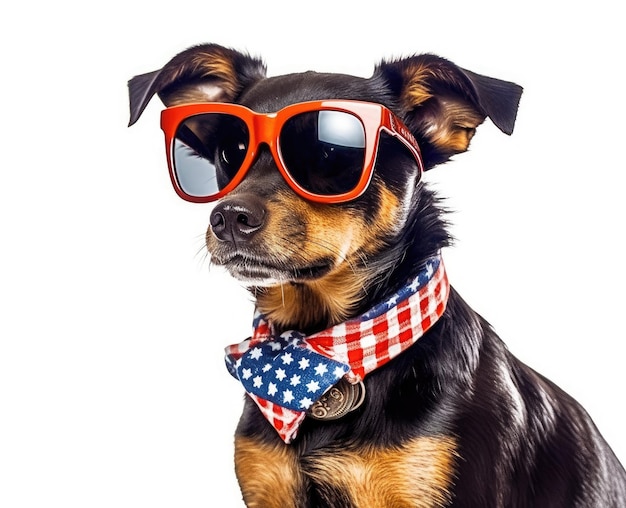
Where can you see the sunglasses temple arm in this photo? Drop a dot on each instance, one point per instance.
(399, 131)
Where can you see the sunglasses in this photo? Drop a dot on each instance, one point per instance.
(325, 150)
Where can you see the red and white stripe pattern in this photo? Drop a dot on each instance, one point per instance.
(363, 344)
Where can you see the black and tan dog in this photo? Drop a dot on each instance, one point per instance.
(321, 211)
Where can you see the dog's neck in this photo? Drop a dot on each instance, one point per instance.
(314, 305)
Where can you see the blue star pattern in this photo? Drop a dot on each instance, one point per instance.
(423, 277)
(285, 372)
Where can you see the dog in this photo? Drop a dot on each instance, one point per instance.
(370, 382)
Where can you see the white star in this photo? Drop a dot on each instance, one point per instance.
(246, 373)
(338, 372)
(429, 270)
(287, 396)
(415, 284)
(295, 380)
(321, 369)
(313, 386)
(286, 358)
(258, 382)
(272, 389)
(280, 374)
(267, 367)
(392, 301)
(306, 403)
(275, 346)
(256, 353)
(304, 363)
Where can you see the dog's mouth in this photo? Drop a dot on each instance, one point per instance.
(264, 272)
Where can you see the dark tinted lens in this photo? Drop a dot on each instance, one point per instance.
(324, 151)
(208, 151)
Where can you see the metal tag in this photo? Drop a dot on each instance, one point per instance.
(341, 399)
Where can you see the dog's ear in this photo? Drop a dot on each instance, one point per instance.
(443, 104)
(204, 73)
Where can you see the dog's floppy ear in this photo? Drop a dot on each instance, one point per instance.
(443, 104)
(204, 73)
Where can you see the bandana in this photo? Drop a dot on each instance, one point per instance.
(285, 374)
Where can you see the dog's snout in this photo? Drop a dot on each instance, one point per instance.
(237, 220)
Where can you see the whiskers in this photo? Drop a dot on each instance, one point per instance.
(308, 279)
(202, 255)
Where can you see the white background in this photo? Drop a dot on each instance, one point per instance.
(112, 385)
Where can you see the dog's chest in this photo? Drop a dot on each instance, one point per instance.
(416, 474)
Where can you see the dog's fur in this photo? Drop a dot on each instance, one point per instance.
(456, 420)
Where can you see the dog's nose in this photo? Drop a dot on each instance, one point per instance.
(236, 220)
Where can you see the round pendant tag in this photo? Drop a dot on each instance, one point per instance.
(338, 401)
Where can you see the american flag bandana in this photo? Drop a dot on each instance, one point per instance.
(285, 374)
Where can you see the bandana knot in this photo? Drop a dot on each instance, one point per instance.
(285, 374)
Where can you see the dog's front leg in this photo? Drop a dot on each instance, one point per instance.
(268, 474)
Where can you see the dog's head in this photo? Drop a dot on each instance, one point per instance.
(313, 261)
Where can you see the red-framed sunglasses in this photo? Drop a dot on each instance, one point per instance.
(325, 150)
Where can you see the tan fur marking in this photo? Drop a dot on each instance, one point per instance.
(452, 126)
(268, 475)
(455, 127)
(416, 90)
(342, 234)
(388, 214)
(416, 475)
(218, 66)
(215, 80)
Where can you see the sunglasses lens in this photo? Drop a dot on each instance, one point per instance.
(208, 151)
(324, 151)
